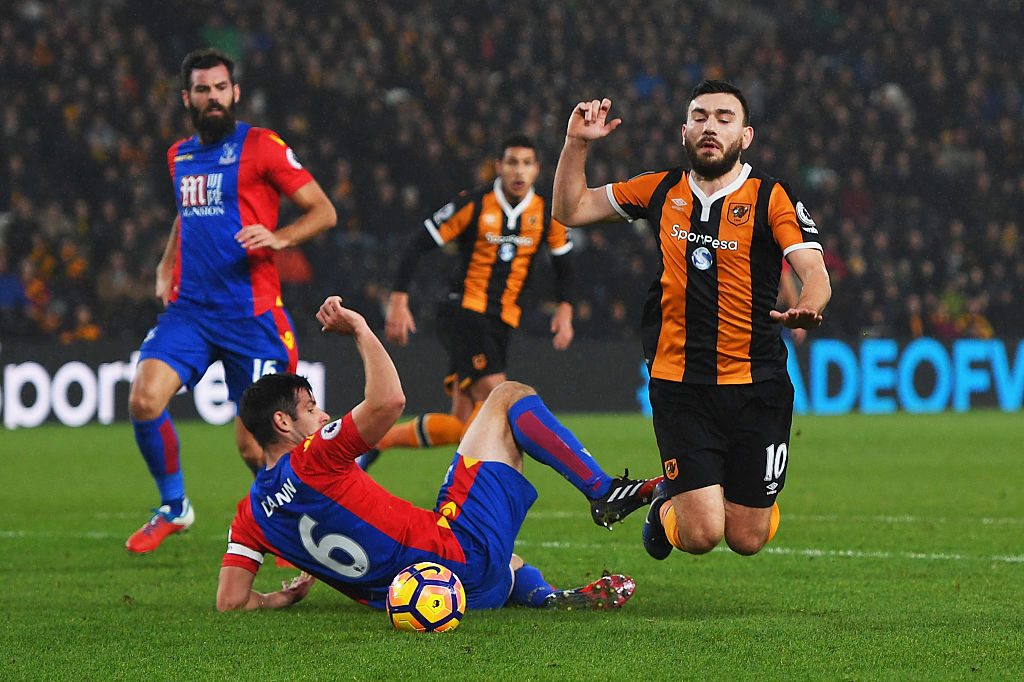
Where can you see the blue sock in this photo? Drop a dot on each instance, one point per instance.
(530, 588)
(542, 437)
(158, 442)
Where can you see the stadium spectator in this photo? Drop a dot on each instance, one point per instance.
(14, 303)
(83, 328)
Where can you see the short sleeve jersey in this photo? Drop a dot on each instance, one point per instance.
(219, 189)
(706, 319)
(497, 243)
(324, 514)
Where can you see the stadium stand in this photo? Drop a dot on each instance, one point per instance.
(900, 123)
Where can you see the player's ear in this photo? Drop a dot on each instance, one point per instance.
(682, 134)
(748, 136)
(185, 98)
(237, 92)
(282, 423)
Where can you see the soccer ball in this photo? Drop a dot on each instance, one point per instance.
(426, 597)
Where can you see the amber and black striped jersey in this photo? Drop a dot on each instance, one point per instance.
(706, 319)
(496, 244)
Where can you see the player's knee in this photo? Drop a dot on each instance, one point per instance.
(700, 538)
(508, 392)
(143, 405)
(746, 541)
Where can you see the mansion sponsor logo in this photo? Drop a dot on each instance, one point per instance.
(202, 195)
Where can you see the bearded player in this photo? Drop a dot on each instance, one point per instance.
(217, 276)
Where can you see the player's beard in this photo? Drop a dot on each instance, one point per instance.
(709, 170)
(212, 129)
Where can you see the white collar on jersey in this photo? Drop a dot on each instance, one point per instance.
(706, 202)
(512, 214)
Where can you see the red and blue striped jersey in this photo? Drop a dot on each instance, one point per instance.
(319, 510)
(220, 188)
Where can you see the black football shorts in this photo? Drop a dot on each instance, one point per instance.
(477, 344)
(734, 435)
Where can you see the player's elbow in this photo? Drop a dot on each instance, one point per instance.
(330, 215)
(394, 403)
(561, 212)
(231, 602)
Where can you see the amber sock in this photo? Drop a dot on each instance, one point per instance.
(425, 431)
(773, 524)
(671, 525)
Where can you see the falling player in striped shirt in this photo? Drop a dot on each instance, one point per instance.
(720, 393)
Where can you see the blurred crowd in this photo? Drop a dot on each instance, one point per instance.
(898, 123)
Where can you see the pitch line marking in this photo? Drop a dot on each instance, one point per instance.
(814, 553)
(834, 518)
(555, 544)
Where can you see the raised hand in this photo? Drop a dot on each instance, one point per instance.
(589, 120)
(337, 318)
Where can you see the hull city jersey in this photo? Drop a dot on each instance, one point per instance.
(706, 319)
(220, 188)
(497, 243)
(324, 514)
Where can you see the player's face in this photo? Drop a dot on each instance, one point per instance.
(518, 168)
(715, 134)
(309, 417)
(211, 102)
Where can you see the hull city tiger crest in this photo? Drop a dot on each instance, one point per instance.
(671, 470)
(738, 213)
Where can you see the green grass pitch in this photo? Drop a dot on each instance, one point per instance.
(900, 555)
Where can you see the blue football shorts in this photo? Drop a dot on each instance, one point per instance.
(485, 504)
(190, 340)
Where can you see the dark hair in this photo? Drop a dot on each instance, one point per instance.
(204, 58)
(707, 87)
(272, 393)
(516, 140)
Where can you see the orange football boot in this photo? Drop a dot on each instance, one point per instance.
(158, 528)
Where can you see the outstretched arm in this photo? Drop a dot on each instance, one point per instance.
(572, 202)
(806, 313)
(383, 400)
(235, 593)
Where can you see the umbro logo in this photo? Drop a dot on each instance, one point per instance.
(772, 488)
(678, 204)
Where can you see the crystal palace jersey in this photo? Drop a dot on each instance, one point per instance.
(320, 511)
(706, 320)
(221, 188)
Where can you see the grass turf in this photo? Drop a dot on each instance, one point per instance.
(900, 555)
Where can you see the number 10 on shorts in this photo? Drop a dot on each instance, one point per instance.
(775, 461)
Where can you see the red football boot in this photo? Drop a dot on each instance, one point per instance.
(162, 525)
